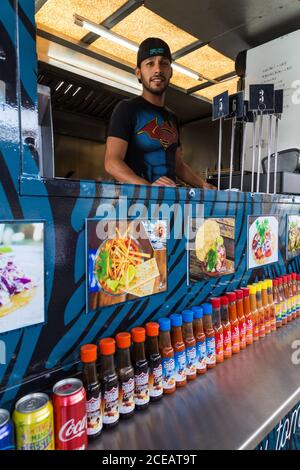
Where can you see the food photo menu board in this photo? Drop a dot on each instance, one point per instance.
(211, 247)
(22, 283)
(293, 236)
(262, 241)
(126, 260)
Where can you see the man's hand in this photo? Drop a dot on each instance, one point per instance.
(208, 186)
(164, 181)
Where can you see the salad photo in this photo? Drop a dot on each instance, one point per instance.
(125, 265)
(262, 240)
(211, 253)
(293, 248)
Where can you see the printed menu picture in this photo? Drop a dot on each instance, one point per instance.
(126, 260)
(22, 296)
(211, 247)
(293, 236)
(262, 241)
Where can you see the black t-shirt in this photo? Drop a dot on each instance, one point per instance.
(152, 133)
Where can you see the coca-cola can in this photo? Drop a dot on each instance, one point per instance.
(70, 419)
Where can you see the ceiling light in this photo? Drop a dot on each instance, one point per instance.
(108, 34)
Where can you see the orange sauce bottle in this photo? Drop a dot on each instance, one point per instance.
(226, 327)
(179, 350)
(241, 317)
(235, 332)
(283, 300)
(260, 310)
(271, 305)
(167, 355)
(248, 316)
(217, 324)
(264, 296)
(277, 303)
(253, 307)
(210, 336)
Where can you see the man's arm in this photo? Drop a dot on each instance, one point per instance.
(184, 172)
(116, 149)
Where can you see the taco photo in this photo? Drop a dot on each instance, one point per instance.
(262, 241)
(293, 235)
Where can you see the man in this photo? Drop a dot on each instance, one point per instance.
(143, 145)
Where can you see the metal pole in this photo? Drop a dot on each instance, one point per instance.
(276, 153)
(231, 151)
(220, 154)
(260, 132)
(253, 150)
(270, 137)
(243, 153)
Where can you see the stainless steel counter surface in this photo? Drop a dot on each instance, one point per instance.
(233, 406)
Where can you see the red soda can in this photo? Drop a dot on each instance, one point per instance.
(70, 419)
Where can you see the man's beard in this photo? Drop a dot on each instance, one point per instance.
(156, 92)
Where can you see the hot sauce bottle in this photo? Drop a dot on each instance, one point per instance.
(295, 295)
(88, 357)
(190, 344)
(248, 316)
(200, 340)
(241, 317)
(217, 324)
(167, 355)
(179, 350)
(154, 361)
(264, 296)
(271, 304)
(227, 346)
(260, 310)
(126, 375)
(210, 336)
(290, 297)
(109, 382)
(298, 296)
(283, 300)
(141, 369)
(253, 306)
(235, 332)
(277, 303)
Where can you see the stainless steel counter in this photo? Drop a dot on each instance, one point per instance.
(233, 406)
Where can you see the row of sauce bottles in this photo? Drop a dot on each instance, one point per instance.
(137, 368)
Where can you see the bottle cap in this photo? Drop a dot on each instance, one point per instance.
(152, 329)
(198, 312)
(252, 290)
(246, 291)
(176, 320)
(298, 277)
(239, 294)
(270, 283)
(187, 316)
(294, 276)
(285, 279)
(107, 346)
(280, 280)
(88, 353)
(164, 324)
(216, 302)
(275, 282)
(207, 309)
(123, 340)
(265, 284)
(258, 286)
(138, 334)
(224, 300)
(231, 296)
(289, 277)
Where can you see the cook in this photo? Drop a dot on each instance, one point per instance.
(143, 144)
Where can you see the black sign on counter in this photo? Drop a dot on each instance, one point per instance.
(278, 101)
(247, 115)
(220, 106)
(236, 102)
(261, 98)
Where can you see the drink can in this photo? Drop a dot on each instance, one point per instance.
(7, 438)
(33, 418)
(69, 401)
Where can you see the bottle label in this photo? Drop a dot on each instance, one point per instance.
(94, 416)
(180, 366)
(242, 328)
(191, 357)
(283, 310)
(201, 355)
(110, 406)
(126, 396)
(141, 389)
(227, 342)
(156, 382)
(210, 351)
(168, 366)
(249, 329)
(235, 338)
(219, 339)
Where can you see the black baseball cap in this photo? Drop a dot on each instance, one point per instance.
(152, 47)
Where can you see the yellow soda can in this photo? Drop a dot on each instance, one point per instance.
(33, 418)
